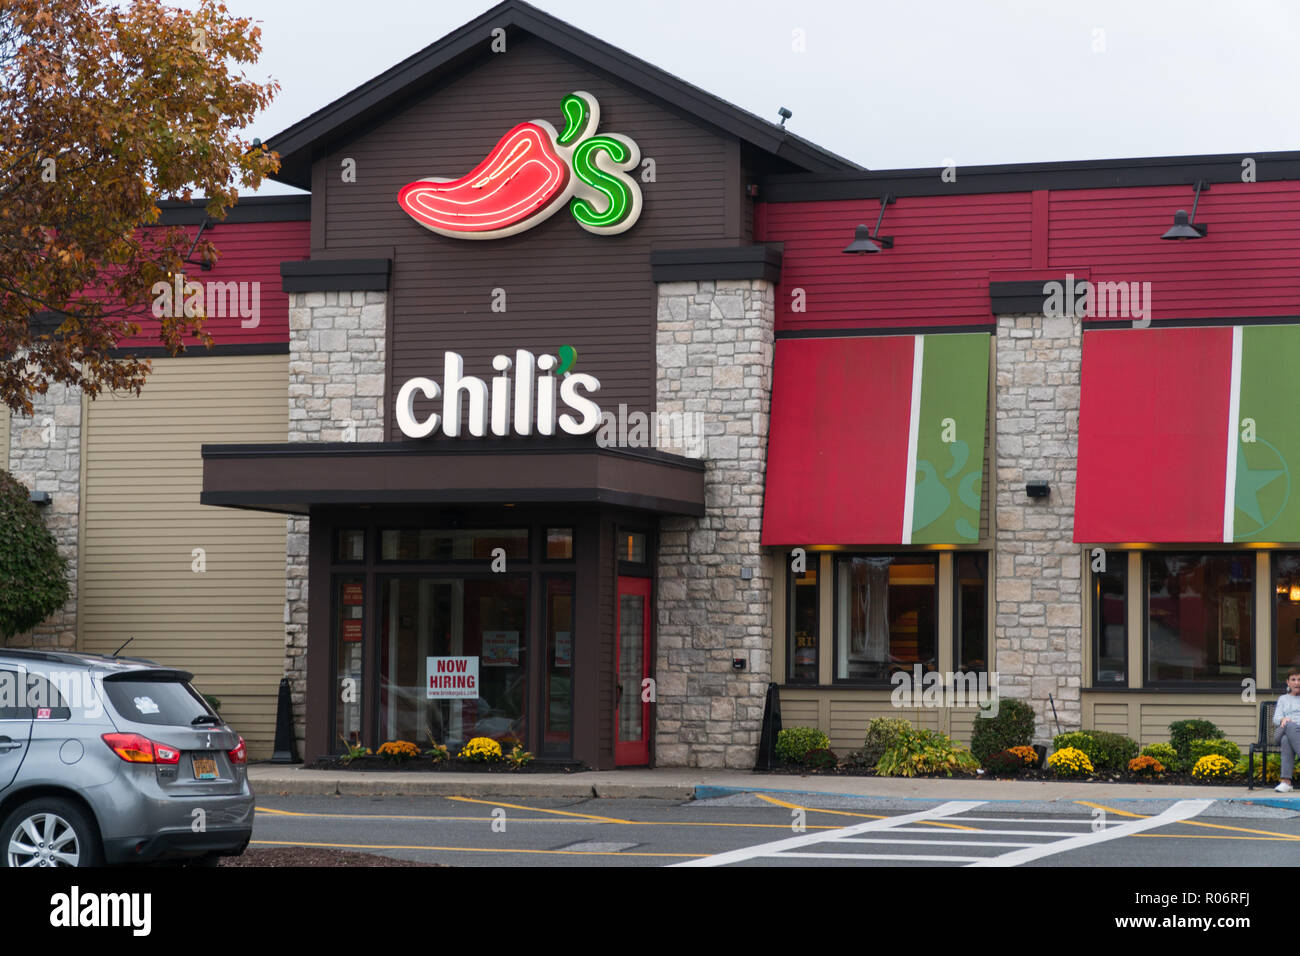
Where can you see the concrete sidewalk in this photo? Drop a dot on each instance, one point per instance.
(673, 783)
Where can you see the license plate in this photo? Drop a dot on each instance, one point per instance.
(205, 768)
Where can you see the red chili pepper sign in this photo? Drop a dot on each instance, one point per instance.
(530, 174)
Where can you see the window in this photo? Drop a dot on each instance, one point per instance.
(430, 544)
(351, 545)
(885, 615)
(559, 544)
(970, 596)
(632, 547)
(1110, 622)
(1286, 614)
(1199, 614)
(801, 659)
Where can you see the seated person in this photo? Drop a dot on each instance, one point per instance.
(1286, 717)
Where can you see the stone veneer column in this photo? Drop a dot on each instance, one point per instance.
(715, 359)
(336, 393)
(1039, 624)
(45, 455)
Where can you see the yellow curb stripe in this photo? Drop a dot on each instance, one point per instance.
(466, 849)
(1118, 813)
(563, 813)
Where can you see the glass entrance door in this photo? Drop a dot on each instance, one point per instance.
(632, 739)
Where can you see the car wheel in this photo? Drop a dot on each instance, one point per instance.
(49, 832)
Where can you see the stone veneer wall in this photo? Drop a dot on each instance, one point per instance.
(336, 393)
(45, 455)
(715, 359)
(1038, 587)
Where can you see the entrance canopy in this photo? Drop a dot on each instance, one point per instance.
(877, 440)
(296, 477)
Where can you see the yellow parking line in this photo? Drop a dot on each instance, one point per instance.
(850, 813)
(1193, 823)
(563, 813)
(467, 849)
(1214, 836)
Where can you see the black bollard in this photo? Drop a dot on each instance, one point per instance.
(286, 745)
(771, 727)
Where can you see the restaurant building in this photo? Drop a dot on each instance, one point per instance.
(587, 429)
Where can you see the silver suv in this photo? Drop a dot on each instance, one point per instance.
(114, 760)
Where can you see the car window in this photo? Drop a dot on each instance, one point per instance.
(44, 700)
(12, 696)
(153, 701)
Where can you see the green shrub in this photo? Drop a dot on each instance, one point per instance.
(33, 576)
(1222, 747)
(1013, 726)
(1107, 752)
(922, 752)
(1165, 753)
(1111, 752)
(793, 743)
(1271, 775)
(1183, 732)
(882, 733)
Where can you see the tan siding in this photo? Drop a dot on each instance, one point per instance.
(142, 521)
(798, 709)
(1152, 714)
(1111, 717)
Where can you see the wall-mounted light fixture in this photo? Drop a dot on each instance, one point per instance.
(1185, 227)
(40, 499)
(785, 114)
(864, 241)
(1038, 489)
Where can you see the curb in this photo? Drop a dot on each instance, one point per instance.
(711, 792)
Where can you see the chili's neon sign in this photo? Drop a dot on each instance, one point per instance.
(531, 173)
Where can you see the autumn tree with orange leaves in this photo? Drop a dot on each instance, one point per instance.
(105, 110)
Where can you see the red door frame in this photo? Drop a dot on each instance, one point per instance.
(632, 753)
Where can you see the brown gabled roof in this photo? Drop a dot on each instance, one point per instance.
(346, 116)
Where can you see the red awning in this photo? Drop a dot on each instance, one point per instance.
(837, 452)
(876, 440)
(1153, 431)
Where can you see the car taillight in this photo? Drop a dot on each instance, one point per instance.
(134, 748)
(239, 754)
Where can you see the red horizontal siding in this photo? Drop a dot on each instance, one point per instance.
(250, 252)
(937, 274)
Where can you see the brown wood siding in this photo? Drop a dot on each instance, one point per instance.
(563, 285)
(142, 520)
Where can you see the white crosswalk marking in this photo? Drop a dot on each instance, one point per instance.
(814, 846)
(793, 843)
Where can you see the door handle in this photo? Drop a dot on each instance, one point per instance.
(8, 744)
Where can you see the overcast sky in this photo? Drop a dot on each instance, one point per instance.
(886, 84)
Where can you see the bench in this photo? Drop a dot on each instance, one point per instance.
(1266, 735)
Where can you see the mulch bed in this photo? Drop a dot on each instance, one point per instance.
(452, 765)
(312, 856)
